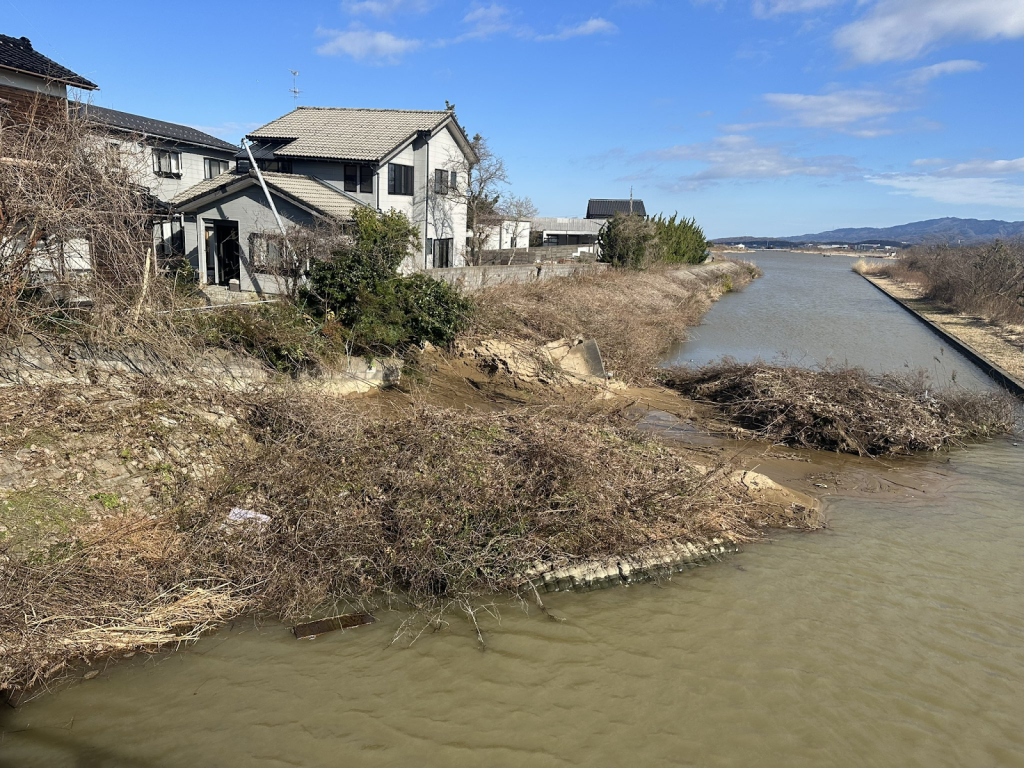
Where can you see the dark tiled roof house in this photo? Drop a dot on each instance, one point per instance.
(606, 209)
(31, 82)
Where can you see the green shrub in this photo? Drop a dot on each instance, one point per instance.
(682, 240)
(630, 241)
(434, 310)
(361, 288)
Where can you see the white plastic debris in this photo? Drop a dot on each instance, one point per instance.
(239, 515)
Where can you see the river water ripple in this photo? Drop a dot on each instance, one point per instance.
(895, 638)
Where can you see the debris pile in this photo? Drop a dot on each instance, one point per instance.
(844, 409)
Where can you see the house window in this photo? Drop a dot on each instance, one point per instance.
(512, 241)
(453, 182)
(166, 162)
(443, 253)
(171, 239)
(268, 255)
(440, 182)
(275, 166)
(400, 179)
(358, 178)
(213, 167)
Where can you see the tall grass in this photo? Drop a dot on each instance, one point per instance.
(635, 316)
(985, 280)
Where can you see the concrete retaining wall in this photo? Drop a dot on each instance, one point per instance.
(475, 278)
(39, 364)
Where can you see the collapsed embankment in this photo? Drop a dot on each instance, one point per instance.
(139, 511)
(141, 515)
(635, 317)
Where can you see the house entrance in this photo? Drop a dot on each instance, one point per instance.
(222, 253)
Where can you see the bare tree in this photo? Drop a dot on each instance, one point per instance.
(481, 193)
(76, 227)
(519, 212)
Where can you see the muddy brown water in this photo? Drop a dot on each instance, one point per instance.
(894, 638)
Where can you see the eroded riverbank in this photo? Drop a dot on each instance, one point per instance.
(889, 638)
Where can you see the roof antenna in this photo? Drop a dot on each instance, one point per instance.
(294, 90)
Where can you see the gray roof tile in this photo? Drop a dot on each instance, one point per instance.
(146, 126)
(338, 133)
(308, 190)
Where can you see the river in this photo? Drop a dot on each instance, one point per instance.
(894, 638)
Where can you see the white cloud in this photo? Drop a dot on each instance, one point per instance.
(595, 26)
(766, 8)
(382, 8)
(955, 191)
(899, 30)
(365, 45)
(858, 112)
(924, 162)
(924, 75)
(741, 157)
(485, 21)
(979, 168)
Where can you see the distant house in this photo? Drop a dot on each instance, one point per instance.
(566, 231)
(322, 162)
(602, 210)
(509, 233)
(170, 158)
(30, 82)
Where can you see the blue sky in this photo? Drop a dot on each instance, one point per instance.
(759, 117)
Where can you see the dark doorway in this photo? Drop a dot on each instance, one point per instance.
(223, 252)
(443, 253)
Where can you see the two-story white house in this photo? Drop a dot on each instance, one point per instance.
(168, 159)
(322, 162)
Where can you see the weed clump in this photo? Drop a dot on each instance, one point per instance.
(844, 409)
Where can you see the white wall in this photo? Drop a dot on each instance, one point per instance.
(34, 84)
(501, 237)
(140, 155)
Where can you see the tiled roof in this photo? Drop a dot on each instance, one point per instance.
(18, 54)
(347, 134)
(307, 190)
(145, 126)
(605, 209)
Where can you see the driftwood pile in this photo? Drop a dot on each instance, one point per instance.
(844, 409)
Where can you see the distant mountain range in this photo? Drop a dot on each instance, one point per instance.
(947, 230)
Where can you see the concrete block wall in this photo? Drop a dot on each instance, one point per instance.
(542, 253)
(476, 278)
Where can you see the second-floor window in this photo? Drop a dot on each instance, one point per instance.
(358, 178)
(440, 182)
(400, 179)
(213, 168)
(166, 162)
(275, 166)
